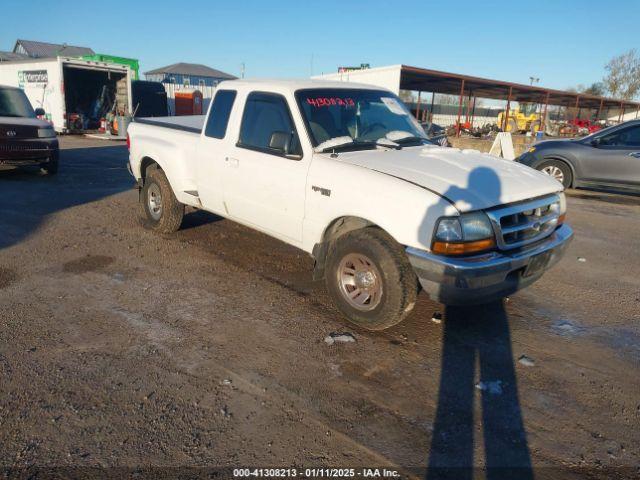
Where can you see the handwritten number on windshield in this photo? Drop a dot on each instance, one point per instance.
(320, 102)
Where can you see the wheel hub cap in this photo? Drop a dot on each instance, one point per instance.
(360, 282)
(554, 172)
(365, 279)
(154, 197)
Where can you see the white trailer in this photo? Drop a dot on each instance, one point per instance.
(74, 93)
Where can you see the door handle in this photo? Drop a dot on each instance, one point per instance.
(232, 162)
(635, 154)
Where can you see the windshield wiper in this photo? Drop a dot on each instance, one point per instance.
(348, 143)
(413, 139)
(333, 144)
(402, 137)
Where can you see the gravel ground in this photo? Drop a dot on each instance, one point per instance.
(121, 349)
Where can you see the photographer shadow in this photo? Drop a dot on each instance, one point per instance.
(477, 335)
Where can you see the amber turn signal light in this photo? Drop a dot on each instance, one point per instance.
(462, 248)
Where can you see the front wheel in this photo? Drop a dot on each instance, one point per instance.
(49, 168)
(370, 279)
(160, 209)
(558, 170)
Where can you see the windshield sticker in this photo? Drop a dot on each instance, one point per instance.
(393, 105)
(320, 102)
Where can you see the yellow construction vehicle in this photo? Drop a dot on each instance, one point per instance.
(522, 119)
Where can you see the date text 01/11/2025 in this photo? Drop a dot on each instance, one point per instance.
(315, 473)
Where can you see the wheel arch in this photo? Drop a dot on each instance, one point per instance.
(146, 164)
(334, 230)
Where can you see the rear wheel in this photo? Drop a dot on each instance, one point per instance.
(370, 279)
(558, 170)
(160, 209)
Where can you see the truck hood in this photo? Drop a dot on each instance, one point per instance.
(469, 179)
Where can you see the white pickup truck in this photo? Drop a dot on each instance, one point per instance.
(345, 173)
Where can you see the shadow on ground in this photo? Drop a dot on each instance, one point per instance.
(478, 336)
(85, 175)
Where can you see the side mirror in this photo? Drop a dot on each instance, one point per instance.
(40, 112)
(280, 141)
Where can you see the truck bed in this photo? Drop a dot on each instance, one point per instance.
(187, 123)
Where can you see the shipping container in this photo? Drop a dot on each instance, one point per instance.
(74, 93)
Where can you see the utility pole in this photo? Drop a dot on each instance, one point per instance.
(242, 70)
(533, 80)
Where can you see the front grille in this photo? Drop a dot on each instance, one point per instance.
(520, 224)
(23, 147)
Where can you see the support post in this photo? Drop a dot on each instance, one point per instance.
(467, 114)
(460, 108)
(505, 119)
(418, 106)
(473, 111)
(575, 115)
(637, 111)
(620, 114)
(544, 114)
(600, 108)
(433, 98)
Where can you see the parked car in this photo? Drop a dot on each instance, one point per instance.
(607, 158)
(25, 140)
(345, 173)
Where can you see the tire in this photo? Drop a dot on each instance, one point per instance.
(50, 168)
(558, 170)
(386, 271)
(164, 213)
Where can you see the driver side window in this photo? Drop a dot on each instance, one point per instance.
(627, 137)
(267, 126)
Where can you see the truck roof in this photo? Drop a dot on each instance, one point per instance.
(293, 84)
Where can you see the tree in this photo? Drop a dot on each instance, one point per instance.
(407, 96)
(623, 77)
(596, 88)
(445, 99)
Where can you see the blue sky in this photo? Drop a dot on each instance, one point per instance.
(563, 42)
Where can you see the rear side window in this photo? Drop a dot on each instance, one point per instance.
(219, 115)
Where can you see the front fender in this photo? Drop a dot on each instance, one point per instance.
(404, 210)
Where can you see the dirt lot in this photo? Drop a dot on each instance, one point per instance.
(123, 349)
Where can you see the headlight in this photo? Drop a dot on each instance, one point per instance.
(562, 207)
(563, 203)
(449, 230)
(48, 132)
(467, 233)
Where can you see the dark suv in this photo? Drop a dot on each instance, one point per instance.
(24, 139)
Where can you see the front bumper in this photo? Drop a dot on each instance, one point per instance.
(487, 277)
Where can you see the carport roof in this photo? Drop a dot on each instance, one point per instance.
(422, 79)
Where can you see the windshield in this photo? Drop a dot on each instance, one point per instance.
(357, 118)
(14, 103)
